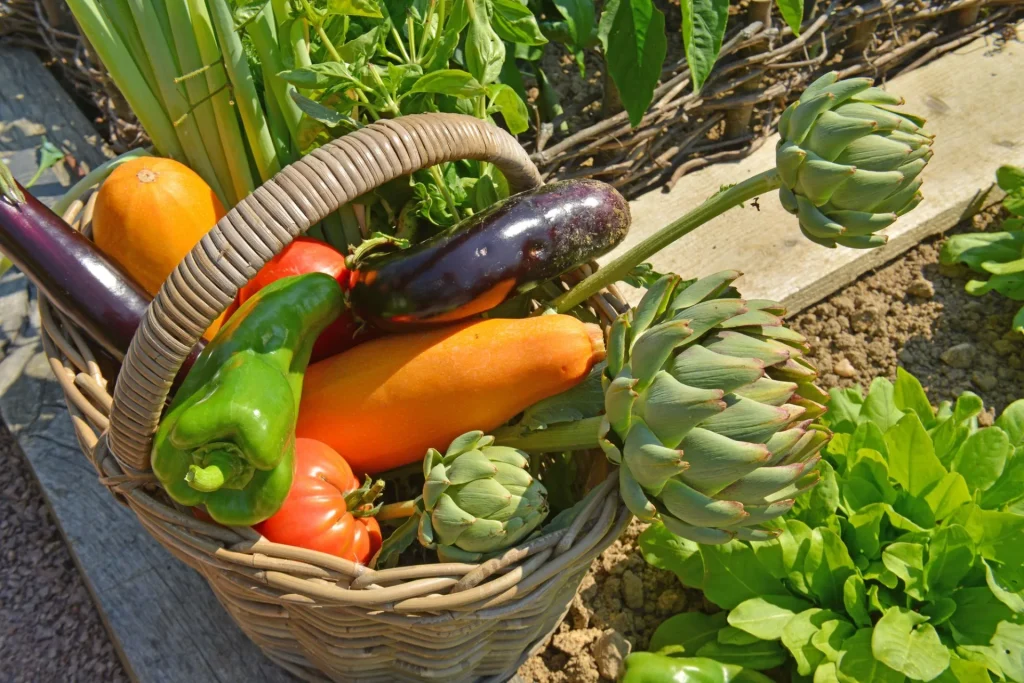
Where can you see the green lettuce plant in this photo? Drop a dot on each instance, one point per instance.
(904, 564)
(999, 255)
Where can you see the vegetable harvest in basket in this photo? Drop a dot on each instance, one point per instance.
(464, 349)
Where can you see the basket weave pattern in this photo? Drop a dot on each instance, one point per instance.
(319, 616)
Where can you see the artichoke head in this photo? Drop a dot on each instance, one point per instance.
(478, 499)
(708, 408)
(849, 162)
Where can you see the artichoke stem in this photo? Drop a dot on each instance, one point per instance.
(621, 266)
(580, 435)
(402, 510)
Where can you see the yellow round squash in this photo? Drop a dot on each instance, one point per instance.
(149, 214)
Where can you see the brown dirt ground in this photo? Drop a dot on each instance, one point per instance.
(910, 313)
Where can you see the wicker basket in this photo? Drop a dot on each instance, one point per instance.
(314, 614)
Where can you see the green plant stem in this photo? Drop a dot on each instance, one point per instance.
(257, 131)
(327, 43)
(94, 177)
(402, 510)
(383, 90)
(400, 44)
(426, 28)
(580, 435)
(263, 32)
(120, 15)
(200, 106)
(410, 27)
(621, 266)
(227, 121)
(350, 225)
(435, 173)
(129, 79)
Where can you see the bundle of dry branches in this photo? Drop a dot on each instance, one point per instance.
(762, 68)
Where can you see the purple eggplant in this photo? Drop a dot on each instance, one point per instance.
(77, 278)
(477, 264)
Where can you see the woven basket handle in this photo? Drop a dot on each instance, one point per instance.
(264, 223)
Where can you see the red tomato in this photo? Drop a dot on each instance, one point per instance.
(315, 514)
(306, 255)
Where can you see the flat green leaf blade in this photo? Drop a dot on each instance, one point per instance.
(950, 556)
(903, 642)
(506, 102)
(798, 634)
(636, 50)
(579, 18)
(514, 22)
(761, 656)
(664, 550)
(947, 495)
(912, 460)
(906, 560)
(733, 574)
(858, 664)
(1006, 583)
(454, 82)
(910, 397)
(855, 600)
(982, 457)
(766, 617)
(354, 8)
(686, 633)
(703, 29)
(793, 12)
(880, 405)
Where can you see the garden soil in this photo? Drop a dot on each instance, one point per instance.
(911, 313)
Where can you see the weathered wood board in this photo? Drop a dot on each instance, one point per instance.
(973, 102)
(164, 620)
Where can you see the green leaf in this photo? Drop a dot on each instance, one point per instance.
(865, 530)
(999, 535)
(855, 600)
(247, 10)
(825, 673)
(604, 24)
(1011, 421)
(877, 571)
(950, 557)
(734, 636)
(939, 611)
(867, 436)
(947, 495)
(732, 574)
(906, 560)
(964, 671)
(320, 76)
(880, 405)
(827, 566)
(1011, 181)
(762, 655)
(904, 642)
(844, 407)
(880, 598)
(798, 634)
(910, 397)
(867, 480)
(703, 29)
(449, 82)
(983, 626)
(793, 13)
(359, 50)
(686, 633)
(950, 434)
(830, 638)
(912, 461)
(354, 8)
(320, 113)
(506, 102)
(1006, 583)
(982, 457)
(579, 20)
(766, 617)
(635, 52)
(817, 506)
(664, 550)
(49, 156)
(784, 557)
(514, 22)
(484, 51)
(1009, 488)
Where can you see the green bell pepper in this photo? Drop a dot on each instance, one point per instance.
(228, 438)
(648, 667)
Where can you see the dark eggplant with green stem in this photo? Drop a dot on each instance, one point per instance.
(514, 245)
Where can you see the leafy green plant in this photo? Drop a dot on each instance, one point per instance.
(1000, 255)
(904, 563)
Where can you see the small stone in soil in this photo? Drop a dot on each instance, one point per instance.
(609, 652)
(921, 288)
(960, 356)
(984, 381)
(632, 590)
(844, 368)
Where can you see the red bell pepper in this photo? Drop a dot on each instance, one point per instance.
(306, 255)
(326, 509)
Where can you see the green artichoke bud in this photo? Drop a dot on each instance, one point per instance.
(848, 162)
(478, 499)
(708, 408)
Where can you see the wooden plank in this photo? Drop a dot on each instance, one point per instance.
(164, 620)
(972, 101)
